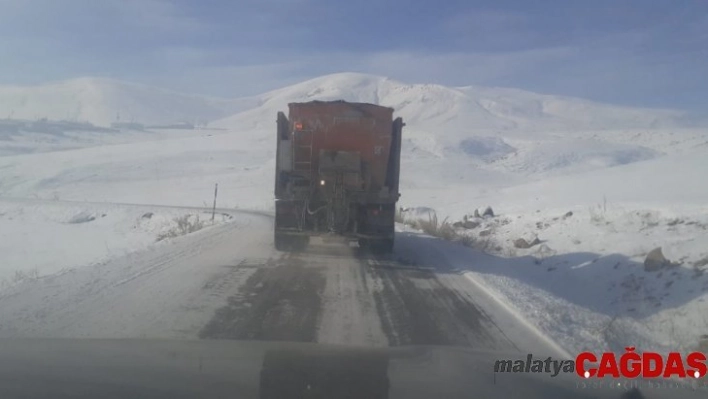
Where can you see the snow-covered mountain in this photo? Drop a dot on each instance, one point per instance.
(103, 101)
(500, 130)
(471, 108)
(424, 106)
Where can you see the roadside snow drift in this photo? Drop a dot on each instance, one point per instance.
(39, 238)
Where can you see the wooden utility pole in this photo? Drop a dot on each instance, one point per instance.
(213, 209)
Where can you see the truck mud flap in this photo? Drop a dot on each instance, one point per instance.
(287, 214)
(288, 242)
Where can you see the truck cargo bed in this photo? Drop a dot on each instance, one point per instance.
(337, 170)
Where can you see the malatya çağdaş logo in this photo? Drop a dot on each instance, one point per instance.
(630, 364)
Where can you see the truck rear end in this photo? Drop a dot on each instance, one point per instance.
(337, 173)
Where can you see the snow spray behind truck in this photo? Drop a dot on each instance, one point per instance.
(337, 173)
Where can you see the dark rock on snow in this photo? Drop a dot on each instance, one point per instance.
(523, 244)
(655, 260)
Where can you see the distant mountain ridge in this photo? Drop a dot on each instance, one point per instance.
(470, 108)
(424, 106)
(103, 101)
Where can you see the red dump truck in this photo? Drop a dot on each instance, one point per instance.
(337, 173)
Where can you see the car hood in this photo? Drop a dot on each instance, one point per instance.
(77, 368)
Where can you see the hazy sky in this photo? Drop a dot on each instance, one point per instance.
(643, 52)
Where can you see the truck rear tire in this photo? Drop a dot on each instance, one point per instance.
(302, 243)
(377, 246)
(384, 246)
(290, 243)
(280, 241)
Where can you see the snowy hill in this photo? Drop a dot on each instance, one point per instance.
(499, 134)
(501, 129)
(445, 110)
(463, 109)
(100, 101)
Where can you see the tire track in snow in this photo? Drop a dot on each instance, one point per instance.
(340, 295)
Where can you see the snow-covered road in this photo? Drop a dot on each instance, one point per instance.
(229, 282)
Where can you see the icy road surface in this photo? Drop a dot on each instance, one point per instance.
(229, 283)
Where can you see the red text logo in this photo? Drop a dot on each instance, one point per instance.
(646, 365)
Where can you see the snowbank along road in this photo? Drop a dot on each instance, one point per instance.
(228, 282)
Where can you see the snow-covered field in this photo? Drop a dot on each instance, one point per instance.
(634, 180)
(40, 238)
